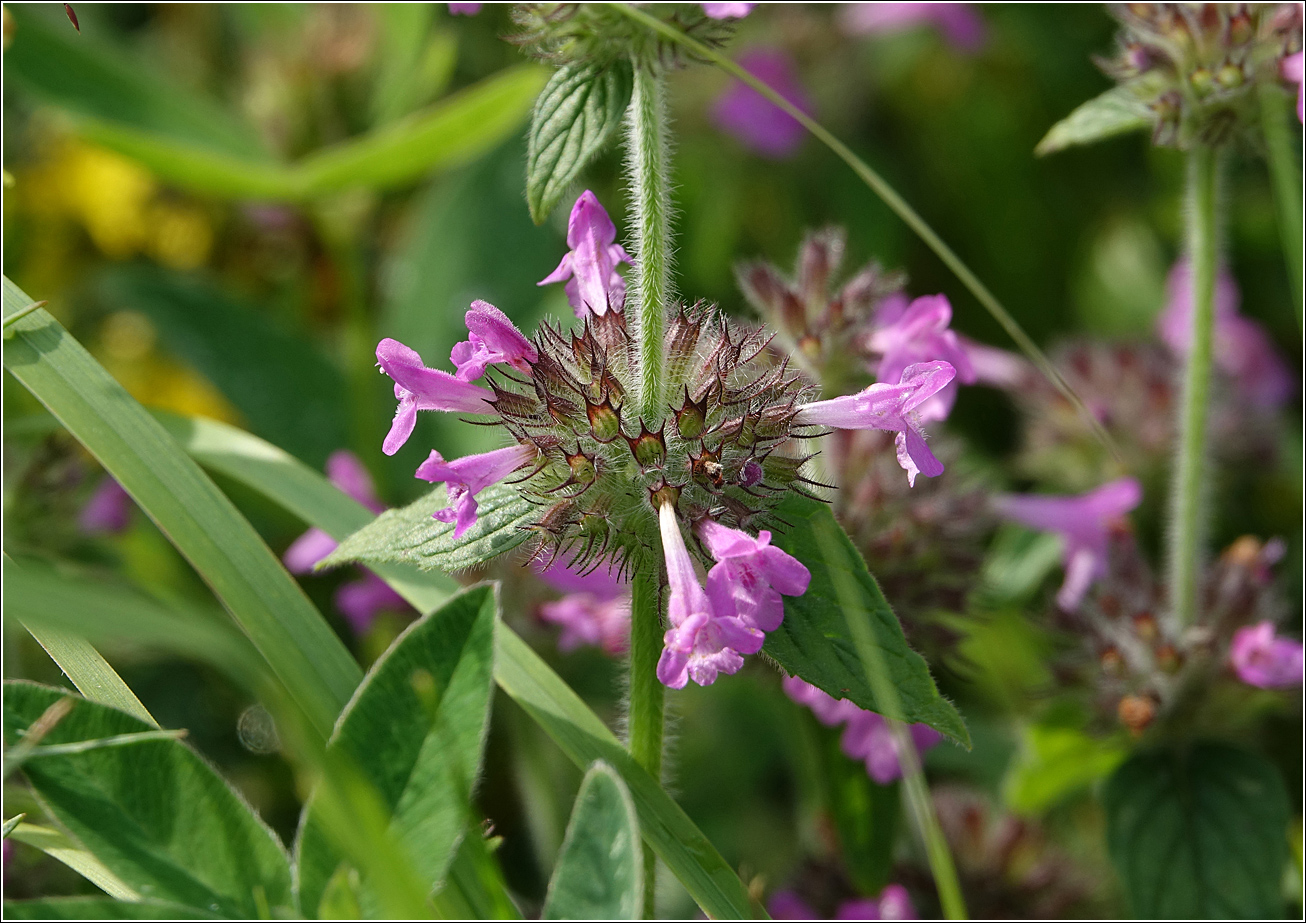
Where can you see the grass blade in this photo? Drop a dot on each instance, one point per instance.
(206, 528)
(55, 844)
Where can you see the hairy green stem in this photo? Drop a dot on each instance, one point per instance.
(648, 168)
(919, 804)
(644, 718)
(898, 205)
(1187, 529)
(1284, 174)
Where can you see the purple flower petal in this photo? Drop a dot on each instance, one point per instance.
(1260, 658)
(786, 905)
(861, 908)
(757, 122)
(346, 470)
(1084, 522)
(1292, 70)
(465, 477)
(493, 338)
(464, 9)
(750, 575)
(593, 284)
(420, 388)
(587, 619)
(727, 10)
(960, 25)
(895, 904)
(307, 550)
(361, 600)
(108, 510)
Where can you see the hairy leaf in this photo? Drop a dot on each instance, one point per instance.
(1118, 110)
(411, 535)
(812, 641)
(154, 812)
(415, 732)
(575, 116)
(600, 871)
(1198, 833)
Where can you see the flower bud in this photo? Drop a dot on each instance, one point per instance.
(605, 421)
(1136, 712)
(649, 448)
(691, 418)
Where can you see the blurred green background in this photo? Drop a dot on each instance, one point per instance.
(230, 205)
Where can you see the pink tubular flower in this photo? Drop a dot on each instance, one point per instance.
(362, 599)
(1293, 71)
(593, 284)
(1084, 523)
(727, 10)
(493, 338)
(1243, 349)
(757, 122)
(828, 710)
(466, 477)
(905, 334)
(701, 642)
(960, 24)
(750, 575)
(1260, 658)
(108, 510)
(890, 407)
(867, 737)
(419, 388)
(595, 611)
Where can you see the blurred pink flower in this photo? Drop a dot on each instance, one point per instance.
(959, 23)
(420, 388)
(1291, 68)
(108, 510)
(595, 611)
(464, 9)
(756, 121)
(1261, 658)
(362, 599)
(1243, 350)
(787, 905)
(1084, 523)
(727, 10)
(590, 269)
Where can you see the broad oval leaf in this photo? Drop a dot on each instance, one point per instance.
(600, 870)
(153, 812)
(1198, 833)
(575, 116)
(1118, 110)
(411, 535)
(813, 641)
(415, 732)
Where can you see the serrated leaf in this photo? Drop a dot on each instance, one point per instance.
(1198, 833)
(600, 871)
(415, 732)
(154, 813)
(100, 908)
(575, 116)
(411, 535)
(813, 642)
(1118, 110)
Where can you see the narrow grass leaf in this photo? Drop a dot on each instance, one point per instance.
(600, 872)
(153, 812)
(292, 636)
(415, 732)
(813, 640)
(60, 847)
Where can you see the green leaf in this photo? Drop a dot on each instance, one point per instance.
(414, 64)
(1198, 833)
(1055, 763)
(865, 815)
(303, 652)
(575, 116)
(600, 871)
(585, 738)
(454, 131)
(100, 908)
(415, 731)
(97, 80)
(518, 670)
(411, 535)
(283, 387)
(1118, 110)
(58, 846)
(475, 888)
(155, 813)
(812, 641)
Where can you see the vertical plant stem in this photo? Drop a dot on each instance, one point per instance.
(920, 806)
(1284, 174)
(647, 165)
(1186, 527)
(644, 719)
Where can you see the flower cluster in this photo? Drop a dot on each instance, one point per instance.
(866, 736)
(607, 482)
(1194, 67)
